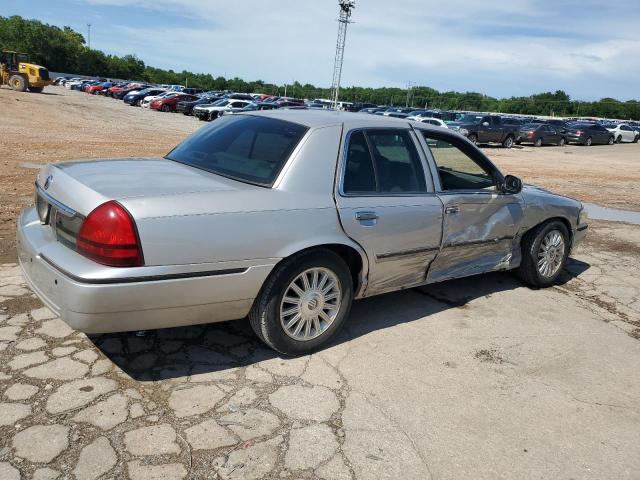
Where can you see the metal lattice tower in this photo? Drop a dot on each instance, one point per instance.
(346, 6)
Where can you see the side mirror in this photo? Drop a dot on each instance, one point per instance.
(511, 185)
(485, 124)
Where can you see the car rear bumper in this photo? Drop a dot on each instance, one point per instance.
(103, 305)
(575, 139)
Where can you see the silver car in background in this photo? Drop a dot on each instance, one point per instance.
(284, 217)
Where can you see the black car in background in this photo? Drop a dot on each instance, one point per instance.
(540, 134)
(588, 134)
(137, 97)
(186, 107)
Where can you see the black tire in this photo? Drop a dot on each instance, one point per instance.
(530, 245)
(139, 103)
(264, 316)
(619, 139)
(611, 141)
(635, 140)
(165, 108)
(18, 83)
(508, 142)
(588, 142)
(538, 143)
(562, 142)
(36, 89)
(473, 138)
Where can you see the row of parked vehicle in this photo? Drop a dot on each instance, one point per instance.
(479, 128)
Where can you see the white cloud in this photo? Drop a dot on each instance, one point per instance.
(500, 48)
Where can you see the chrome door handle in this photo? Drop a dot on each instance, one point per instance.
(452, 209)
(366, 216)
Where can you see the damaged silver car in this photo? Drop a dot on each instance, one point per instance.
(284, 217)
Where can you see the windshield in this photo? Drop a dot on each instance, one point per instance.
(531, 126)
(470, 119)
(245, 148)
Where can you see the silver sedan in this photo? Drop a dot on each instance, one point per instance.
(283, 217)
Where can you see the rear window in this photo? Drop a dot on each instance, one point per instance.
(250, 149)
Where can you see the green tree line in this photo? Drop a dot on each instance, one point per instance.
(65, 50)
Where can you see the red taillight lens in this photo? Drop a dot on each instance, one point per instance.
(109, 236)
(530, 134)
(579, 132)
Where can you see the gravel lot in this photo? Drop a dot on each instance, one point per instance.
(467, 379)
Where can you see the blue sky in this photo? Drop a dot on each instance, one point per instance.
(591, 49)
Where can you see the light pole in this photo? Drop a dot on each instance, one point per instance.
(89, 35)
(346, 6)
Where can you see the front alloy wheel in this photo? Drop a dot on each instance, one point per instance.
(544, 253)
(551, 254)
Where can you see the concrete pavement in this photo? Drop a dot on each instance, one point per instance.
(477, 378)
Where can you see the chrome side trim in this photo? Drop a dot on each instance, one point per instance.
(63, 209)
(150, 278)
(405, 253)
(477, 242)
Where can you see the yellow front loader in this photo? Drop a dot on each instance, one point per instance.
(20, 74)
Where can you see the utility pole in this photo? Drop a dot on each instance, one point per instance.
(409, 85)
(346, 6)
(89, 35)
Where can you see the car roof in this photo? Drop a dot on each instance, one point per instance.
(325, 118)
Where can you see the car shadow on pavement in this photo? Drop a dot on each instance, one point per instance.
(215, 349)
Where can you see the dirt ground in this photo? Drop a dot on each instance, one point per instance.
(63, 125)
(476, 378)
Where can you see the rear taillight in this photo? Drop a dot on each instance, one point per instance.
(530, 134)
(108, 236)
(579, 133)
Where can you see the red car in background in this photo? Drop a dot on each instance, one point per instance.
(93, 89)
(121, 88)
(169, 103)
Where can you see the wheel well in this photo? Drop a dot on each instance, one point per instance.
(566, 223)
(350, 256)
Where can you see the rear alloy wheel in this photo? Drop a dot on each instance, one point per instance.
(588, 142)
(563, 142)
(508, 142)
(544, 253)
(538, 143)
(473, 138)
(165, 108)
(611, 141)
(303, 303)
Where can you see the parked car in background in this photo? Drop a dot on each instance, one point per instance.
(186, 106)
(540, 134)
(431, 121)
(146, 101)
(212, 111)
(486, 129)
(137, 96)
(589, 134)
(373, 110)
(168, 103)
(624, 133)
(281, 217)
(397, 112)
(93, 89)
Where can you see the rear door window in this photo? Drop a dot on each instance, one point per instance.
(383, 161)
